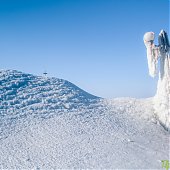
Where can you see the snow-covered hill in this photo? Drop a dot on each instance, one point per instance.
(20, 91)
(49, 123)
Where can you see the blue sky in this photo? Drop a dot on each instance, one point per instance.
(95, 44)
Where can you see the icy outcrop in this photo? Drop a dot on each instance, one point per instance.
(162, 97)
(152, 53)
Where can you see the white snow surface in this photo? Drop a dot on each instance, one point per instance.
(49, 123)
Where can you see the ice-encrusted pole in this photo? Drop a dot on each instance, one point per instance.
(154, 53)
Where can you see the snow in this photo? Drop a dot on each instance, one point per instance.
(152, 53)
(49, 123)
(162, 97)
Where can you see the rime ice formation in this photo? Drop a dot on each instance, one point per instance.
(162, 97)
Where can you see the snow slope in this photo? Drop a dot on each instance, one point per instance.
(49, 123)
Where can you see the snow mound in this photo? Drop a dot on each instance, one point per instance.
(21, 92)
(49, 123)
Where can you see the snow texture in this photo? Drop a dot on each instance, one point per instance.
(49, 123)
(152, 53)
(162, 97)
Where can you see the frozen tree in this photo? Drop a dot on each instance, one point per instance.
(155, 53)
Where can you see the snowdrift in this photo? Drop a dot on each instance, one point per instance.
(49, 123)
(20, 92)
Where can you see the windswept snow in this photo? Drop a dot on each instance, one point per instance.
(49, 123)
(20, 92)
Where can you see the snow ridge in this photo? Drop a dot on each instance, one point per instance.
(20, 92)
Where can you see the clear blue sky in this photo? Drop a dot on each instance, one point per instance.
(95, 44)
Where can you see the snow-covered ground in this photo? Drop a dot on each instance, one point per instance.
(49, 123)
